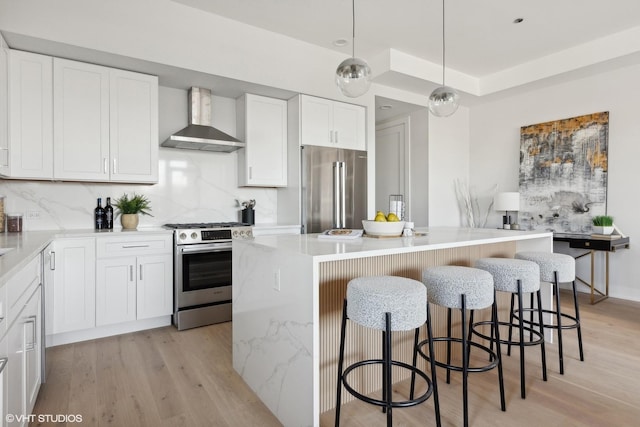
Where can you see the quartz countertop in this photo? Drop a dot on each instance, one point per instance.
(433, 238)
(28, 243)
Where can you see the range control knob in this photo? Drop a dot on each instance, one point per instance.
(194, 235)
(234, 233)
(182, 236)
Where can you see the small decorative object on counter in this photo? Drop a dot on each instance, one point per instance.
(396, 205)
(130, 208)
(108, 215)
(14, 222)
(1, 214)
(248, 211)
(408, 229)
(99, 215)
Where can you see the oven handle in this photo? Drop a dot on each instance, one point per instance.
(214, 247)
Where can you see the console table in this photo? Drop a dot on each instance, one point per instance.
(593, 245)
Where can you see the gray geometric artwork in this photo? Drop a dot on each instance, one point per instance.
(563, 173)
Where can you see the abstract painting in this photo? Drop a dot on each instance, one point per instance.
(563, 173)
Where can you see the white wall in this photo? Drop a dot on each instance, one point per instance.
(419, 128)
(448, 161)
(193, 185)
(495, 142)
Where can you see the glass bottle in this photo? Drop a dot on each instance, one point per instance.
(108, 215)
(99, 215)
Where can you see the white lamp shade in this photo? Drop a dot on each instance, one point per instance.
(509, 201)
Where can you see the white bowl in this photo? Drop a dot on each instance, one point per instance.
(381, 228)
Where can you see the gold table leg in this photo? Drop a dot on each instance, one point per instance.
(596, 294)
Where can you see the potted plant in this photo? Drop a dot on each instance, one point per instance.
(129, 208)
(602, 224)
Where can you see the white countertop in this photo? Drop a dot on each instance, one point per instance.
(28, 243)
(436, 238)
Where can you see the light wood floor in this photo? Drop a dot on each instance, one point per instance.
(163, 377)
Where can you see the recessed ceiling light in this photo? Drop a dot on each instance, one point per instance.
(340, 42)
(518, 20)
(386, 107)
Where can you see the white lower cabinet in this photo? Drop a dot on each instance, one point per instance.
(107, 285)
(73, 290)
(20, 349)
(133, 288)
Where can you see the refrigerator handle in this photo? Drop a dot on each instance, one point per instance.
(336, 195)
(343, 194)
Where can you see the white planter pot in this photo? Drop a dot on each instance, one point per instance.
(597, 229)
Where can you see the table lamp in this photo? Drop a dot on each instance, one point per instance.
(507, 202)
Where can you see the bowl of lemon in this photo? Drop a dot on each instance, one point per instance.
(383, 225)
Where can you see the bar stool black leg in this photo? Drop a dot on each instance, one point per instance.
(387, 369)
(511, 317)
(465, 361)
(521, 335)
(343, 328)
(575, 302)
(449, 345)
(542, 348)
(434, 382)
(503, 404)
(531, 317)
(415, 361)
(384, 369)
(556, 287)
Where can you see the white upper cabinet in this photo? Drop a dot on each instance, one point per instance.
(105, 124)
(68, 120)
(330, 123)
(81, 121)
(262, 125)
(28, 148)
(133, 128)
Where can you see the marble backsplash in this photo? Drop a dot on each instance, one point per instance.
(193, 187)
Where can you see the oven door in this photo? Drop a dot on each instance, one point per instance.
(202, 274)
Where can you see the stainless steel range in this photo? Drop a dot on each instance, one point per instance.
(202, 271)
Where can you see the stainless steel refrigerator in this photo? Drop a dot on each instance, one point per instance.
(334, 188)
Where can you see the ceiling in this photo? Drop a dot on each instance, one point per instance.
(487, 54)
(481, 37)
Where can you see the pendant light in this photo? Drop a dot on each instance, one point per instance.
(353, 75)
(443, 101)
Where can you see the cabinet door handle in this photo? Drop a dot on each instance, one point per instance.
(250, 172)
(134, 246)
(52, 260)
(32, 345)
(105, 166)
(3, 363)
(336, 141)
(330, 136)
(131, 273)
(141, 272)
(115, 166)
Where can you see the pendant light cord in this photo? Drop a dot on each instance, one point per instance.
(443, 66)
(353, 28)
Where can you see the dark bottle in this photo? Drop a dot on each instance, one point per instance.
(108, 215)
(99, 215)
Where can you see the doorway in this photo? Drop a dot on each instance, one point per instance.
(393, 171)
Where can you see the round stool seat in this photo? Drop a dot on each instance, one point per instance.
(371, 297)
(445, 284)
(549, 263)
(507, 271)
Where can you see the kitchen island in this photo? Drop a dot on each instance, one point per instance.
(287, 301)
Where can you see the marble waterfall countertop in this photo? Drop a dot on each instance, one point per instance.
(26, 244)
(434, 238)
(287, 294)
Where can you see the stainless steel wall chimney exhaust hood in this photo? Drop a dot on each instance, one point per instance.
(199, 134)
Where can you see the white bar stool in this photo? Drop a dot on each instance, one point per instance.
(463, 288)
(518, 277)
(386, 303)
(556, 269)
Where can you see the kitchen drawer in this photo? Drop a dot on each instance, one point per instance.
(20, 287)
(134, 245)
